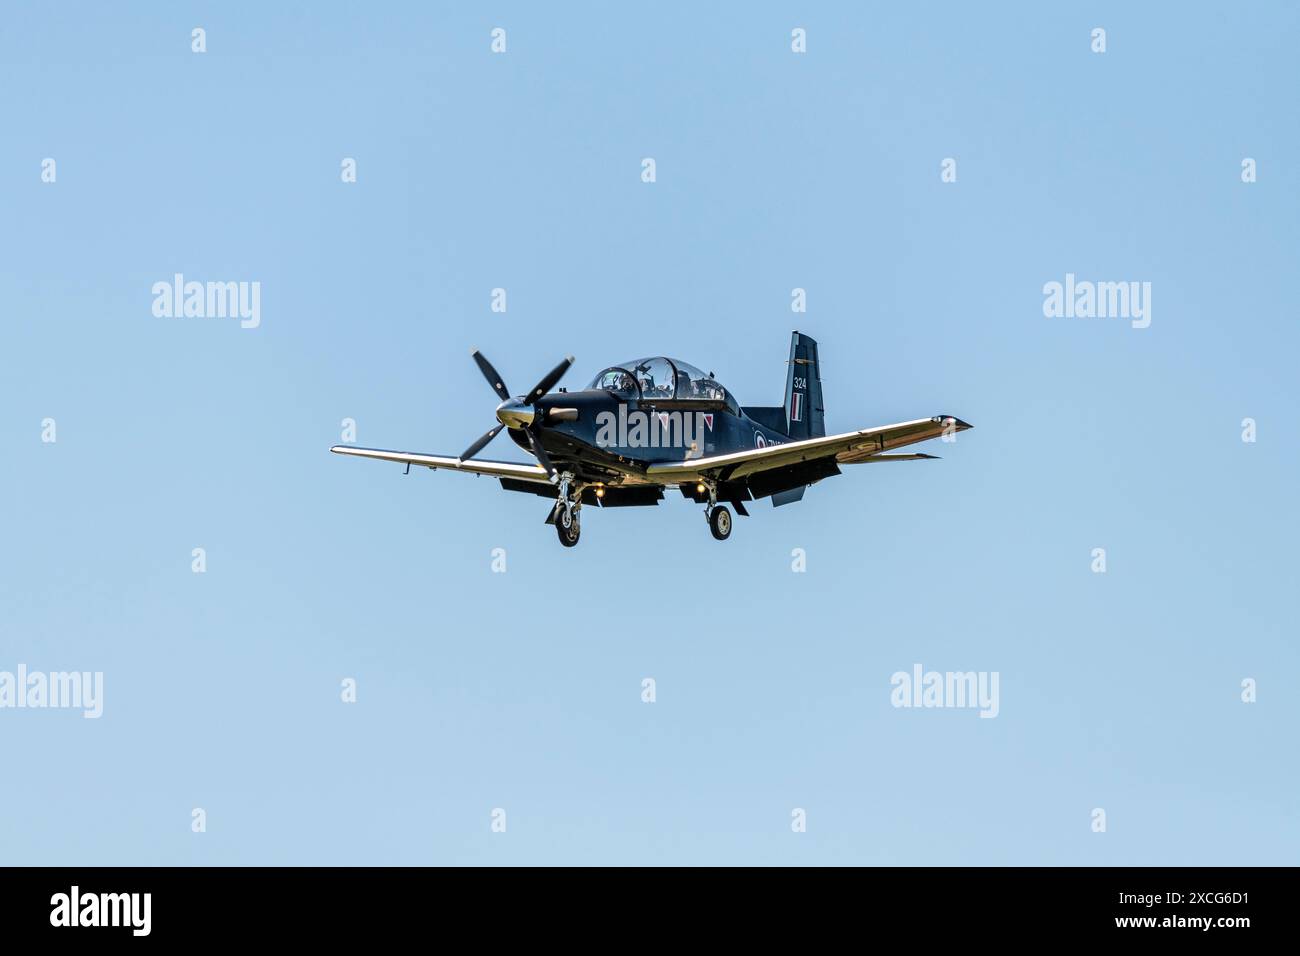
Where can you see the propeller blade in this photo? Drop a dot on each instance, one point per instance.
(539, 452)
(546, 384)
(491, 375)
(479, 445)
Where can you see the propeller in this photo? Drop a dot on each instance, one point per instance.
(543, 459)
(547, 383)
(517, 412)
(479, 445)
(491, 374)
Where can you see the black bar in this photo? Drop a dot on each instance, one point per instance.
(335, 904)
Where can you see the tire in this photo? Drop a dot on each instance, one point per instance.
(720, 523)
(568, 534)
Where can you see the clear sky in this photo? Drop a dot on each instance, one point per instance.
(523, 691)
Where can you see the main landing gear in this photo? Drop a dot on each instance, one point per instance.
(567, 509)
(718, 516)
(566, 515)
(720, 522)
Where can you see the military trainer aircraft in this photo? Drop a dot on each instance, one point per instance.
(642, 427)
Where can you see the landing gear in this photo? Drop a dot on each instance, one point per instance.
(567, 508)
(717, 515)
(567, 527)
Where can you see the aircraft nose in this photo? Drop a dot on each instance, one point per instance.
(514, 414)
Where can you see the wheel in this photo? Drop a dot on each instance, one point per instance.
(720, 523)
(567, 527)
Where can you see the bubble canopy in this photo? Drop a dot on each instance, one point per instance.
(659, 378)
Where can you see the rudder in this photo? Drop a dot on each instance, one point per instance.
(804, 412)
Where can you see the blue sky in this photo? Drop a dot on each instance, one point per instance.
(522, 690)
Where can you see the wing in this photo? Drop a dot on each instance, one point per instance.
(849, 448)
(475, 466)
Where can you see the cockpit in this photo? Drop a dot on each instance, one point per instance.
(660, 378)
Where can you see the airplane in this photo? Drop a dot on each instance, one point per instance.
(643, 427)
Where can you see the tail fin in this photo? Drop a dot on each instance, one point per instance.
(804, 412)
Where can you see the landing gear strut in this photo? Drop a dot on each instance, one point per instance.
(718, 516)
(567, 508)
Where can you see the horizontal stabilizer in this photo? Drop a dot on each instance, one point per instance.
(769, 416)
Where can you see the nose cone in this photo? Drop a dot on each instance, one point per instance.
(514, 414)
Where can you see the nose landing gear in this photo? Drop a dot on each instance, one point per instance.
(567, 525)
